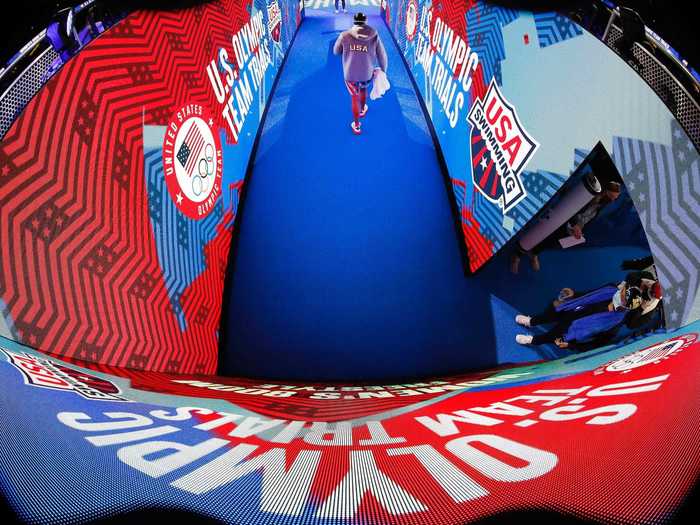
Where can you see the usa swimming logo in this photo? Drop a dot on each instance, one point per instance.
(45, 373)
(501, 148)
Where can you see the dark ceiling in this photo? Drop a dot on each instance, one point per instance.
(671, 20)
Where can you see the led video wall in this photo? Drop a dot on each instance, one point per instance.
(610, 437)
(119, 185)
(518, 99)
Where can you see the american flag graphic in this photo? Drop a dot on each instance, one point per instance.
(191, 149)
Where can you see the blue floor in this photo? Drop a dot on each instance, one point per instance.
(347, 265)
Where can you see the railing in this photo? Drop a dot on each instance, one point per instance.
(32, 66)
(653, 59)
(24, 87)
(661, 67)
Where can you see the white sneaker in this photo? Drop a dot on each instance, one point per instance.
(345, 10)
(523, 339)
(336, 11)
(522, 320)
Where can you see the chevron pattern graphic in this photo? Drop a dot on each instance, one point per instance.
(484, 28)
(664, 182)
(579, 156)
(552, 28)
(480, 247)
(452, 12)
(97, 264)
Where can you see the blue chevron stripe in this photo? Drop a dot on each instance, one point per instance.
(579, 156)
(175, 234)
(504, 15)
(491, 219)
(460, 194)
(484, 25)
(553, 28)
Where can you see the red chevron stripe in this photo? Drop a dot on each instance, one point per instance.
(77, 237)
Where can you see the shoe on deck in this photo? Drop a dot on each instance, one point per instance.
(363, 112)
(355, 129)
(523, 339)
(522, 320)
(336, 11)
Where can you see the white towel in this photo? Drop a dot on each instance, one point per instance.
(380, 85)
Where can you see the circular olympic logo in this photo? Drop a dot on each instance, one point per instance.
(192, 161)
(411, 19)
(651, 355)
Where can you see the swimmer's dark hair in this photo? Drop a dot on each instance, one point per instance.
(360, 18)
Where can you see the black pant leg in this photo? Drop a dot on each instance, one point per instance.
(549, 336)
(550, 315)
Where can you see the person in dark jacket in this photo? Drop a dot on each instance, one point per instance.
(652, 295)
(361, 49)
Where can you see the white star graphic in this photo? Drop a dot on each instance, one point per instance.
(677, 133)
(681, 156)
(674, 316)
(179, 198)
(642, 197)
(679, 293)
(630, 186)
(483, 162)
(641, 177)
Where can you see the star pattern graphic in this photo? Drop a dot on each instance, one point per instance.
(662, 180)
